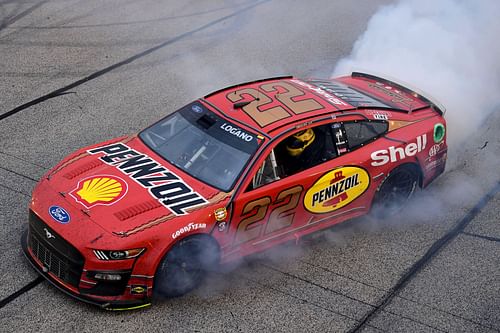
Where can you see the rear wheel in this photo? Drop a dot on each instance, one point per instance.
(185, 265)
(396, 189)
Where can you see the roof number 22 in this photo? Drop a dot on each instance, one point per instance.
(260, 108)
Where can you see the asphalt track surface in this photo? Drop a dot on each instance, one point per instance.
(74, 73)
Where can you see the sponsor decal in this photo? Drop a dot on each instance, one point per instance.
(336, 189)
(437, 156)
(237, 132)
(220, 214)
(221, 226)
(434, 150)
(188, 228)
(59, 214)
(436, 163)
(379, 115)
(393, 154)
(137, 289)
(395, 95)
(162, 184)
(328, 97)
(99, 190)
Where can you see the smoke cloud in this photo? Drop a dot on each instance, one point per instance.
(448, 48)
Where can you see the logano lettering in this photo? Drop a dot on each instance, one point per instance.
(164, 185)
(237, 132)
(393, 154)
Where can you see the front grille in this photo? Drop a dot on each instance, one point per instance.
(57, 255)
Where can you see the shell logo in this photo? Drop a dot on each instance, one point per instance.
(99, 190)
(336, 189)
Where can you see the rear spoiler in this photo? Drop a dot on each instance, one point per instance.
(438, 107)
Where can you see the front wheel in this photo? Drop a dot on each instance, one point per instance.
(396, 189)
(185, 265)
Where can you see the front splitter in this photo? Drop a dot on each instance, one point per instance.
(106, 305)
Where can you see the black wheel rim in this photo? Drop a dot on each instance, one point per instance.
(395, 191)
(186, 263)
(182, 269)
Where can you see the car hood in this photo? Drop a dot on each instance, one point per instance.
(126, 188)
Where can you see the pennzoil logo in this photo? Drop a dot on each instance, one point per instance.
(164, 185)
(99, 190)
(336, 189)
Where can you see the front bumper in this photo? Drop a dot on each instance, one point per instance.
(54, 280)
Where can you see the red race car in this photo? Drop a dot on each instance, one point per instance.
(238, 171)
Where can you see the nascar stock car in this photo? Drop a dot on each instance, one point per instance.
(238, 171)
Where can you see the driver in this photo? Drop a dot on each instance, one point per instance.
(304, 150)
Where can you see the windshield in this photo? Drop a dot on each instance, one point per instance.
(202, 144)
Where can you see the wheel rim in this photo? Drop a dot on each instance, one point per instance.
(183, 264)
(183, 267)
(395, 191)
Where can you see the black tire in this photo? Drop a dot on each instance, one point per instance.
(395, 191)
(185, 265)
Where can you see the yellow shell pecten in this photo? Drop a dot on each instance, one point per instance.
(104, 189)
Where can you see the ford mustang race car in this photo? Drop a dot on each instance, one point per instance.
(235, 172)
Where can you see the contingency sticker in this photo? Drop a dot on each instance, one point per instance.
(336, 189)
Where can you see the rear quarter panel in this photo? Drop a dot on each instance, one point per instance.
(415, 143)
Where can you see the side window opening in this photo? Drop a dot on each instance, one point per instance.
(310, 147)
(268, 172)
(299, 151)
(359, 133)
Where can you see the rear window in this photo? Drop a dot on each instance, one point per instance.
(359, 133)
(352, 96)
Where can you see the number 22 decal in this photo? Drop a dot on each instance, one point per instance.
(255, 211)
(263, 115)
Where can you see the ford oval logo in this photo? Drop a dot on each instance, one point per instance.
(197, 108)
(59, 214)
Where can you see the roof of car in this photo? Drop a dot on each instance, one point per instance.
(279, 103)
(269, 104)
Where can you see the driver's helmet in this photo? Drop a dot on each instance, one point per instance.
(298, 142)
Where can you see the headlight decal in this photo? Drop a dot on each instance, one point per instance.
(118, 254)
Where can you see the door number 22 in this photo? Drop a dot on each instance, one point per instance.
(255, 212)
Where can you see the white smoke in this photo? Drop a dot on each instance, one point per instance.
(447, 48)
